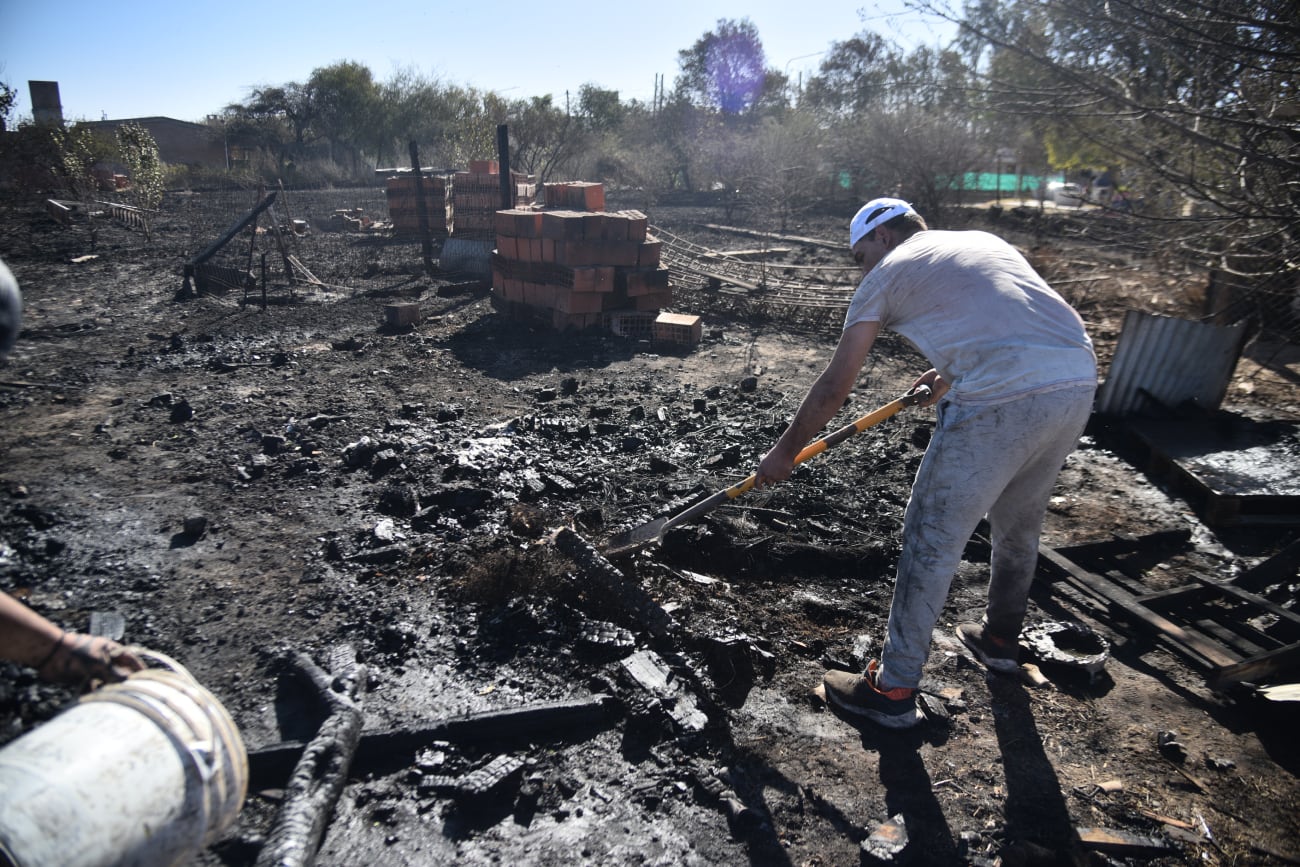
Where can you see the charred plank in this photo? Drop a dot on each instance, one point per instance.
(530, 723)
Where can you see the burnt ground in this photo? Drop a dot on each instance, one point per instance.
(241, 484)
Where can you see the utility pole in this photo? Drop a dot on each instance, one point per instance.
(421, 210)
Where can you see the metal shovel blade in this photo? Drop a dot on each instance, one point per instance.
(635, 539)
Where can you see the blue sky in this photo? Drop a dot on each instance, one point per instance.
(190, 58)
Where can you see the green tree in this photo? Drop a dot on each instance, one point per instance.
(79, 149)
(409, 103)
(139, 152)
(8, 99)
(545, 140)
(289, 104)
(344, 101)
(853, 76)
(450, 124)
(1199, 102)
(600, 109)
(275, 120)
(465, 124)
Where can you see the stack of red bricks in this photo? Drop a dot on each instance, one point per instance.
(403, 204)
(457, 203)
(575, 195)
(477, 194)
(577, 268)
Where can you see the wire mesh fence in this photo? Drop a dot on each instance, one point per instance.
(337, 237)
(332, 236)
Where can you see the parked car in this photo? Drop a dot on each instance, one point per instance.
(1063, 194)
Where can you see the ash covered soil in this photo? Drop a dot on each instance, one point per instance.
(243, 484)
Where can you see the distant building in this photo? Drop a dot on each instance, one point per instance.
(180, 142)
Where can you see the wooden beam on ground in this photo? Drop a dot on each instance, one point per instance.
(754, 252)
(1280, 567)
(726, 278)
(1208, 587)
(1258, 667)
(269, 765)
(603, 575)
(1126, 544)
(798, 239)
(1124, 843)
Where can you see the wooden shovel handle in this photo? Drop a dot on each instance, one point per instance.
(876, 416)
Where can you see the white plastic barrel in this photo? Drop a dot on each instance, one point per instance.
(146, 772)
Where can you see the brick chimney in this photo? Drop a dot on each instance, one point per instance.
(46, 107)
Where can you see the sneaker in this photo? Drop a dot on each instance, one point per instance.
(859, 694)
(998, 654)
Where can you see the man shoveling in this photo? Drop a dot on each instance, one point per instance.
(1013, 378)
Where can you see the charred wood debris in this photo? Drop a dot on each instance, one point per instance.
(515, 513)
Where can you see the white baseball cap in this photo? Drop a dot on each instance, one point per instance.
(874, 214)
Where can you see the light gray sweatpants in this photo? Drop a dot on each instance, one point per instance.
(999, 460)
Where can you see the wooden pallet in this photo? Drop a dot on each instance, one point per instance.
(1223, 627)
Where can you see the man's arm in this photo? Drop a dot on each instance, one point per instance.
(25, 636)
(824, 399)
(29, 639)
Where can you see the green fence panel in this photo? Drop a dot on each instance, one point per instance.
(1003, 183)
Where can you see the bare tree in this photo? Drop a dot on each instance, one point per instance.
(787, 163)
(1195, 101)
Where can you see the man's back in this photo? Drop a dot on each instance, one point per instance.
(981, 315)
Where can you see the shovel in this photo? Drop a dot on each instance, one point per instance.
(648, 534)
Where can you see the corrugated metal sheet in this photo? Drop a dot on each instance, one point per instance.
(1163, 362)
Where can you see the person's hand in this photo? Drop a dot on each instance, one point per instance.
(776, 466)
(80, 660)
(938, 386)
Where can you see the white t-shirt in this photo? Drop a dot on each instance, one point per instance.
(980, 313)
